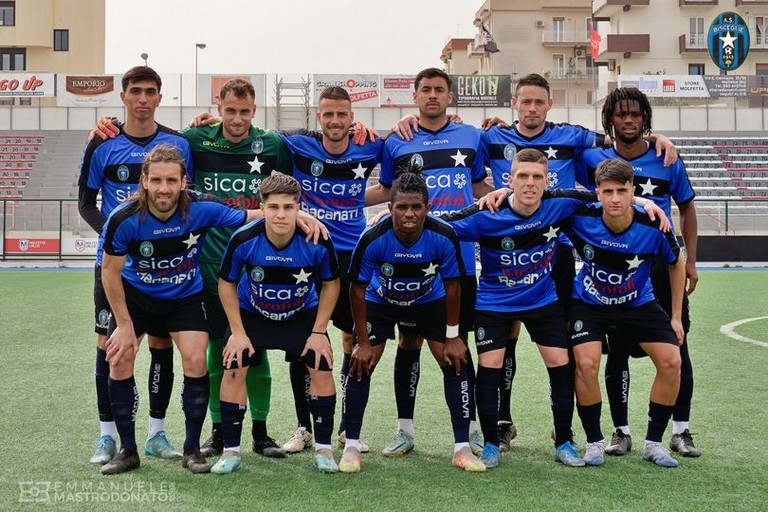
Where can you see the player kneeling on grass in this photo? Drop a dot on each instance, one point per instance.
(267, 289)
(405, 270)
(618, 245)
(152, 280)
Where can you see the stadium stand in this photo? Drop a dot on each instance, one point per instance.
(726, 168)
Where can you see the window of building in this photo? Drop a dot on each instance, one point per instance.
(25, 101)
(695, 69)
(558, 97)
(761, 30)
(13, 59)
(696, 36)
(558, 29)
(61, 40)
(761, 69)
(558, 66)
(7, 13)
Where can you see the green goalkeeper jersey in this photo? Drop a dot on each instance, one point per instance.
(233, 172)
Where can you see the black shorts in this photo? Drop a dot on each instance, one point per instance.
(563, 274)
(217, 319)
(468, 301)
(546, 325)
(663, 292)
(646, 323)
(102, 311)
(159, 317)
(289, 335)
(425, 320)
(342, 312)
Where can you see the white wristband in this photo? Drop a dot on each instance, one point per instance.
(451, 331)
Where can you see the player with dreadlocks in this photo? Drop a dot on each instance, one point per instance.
(626, 117)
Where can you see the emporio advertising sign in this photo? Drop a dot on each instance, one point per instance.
(363, 89)
(26, 85)
(88, 91)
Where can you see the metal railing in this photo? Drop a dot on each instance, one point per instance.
(53, 228)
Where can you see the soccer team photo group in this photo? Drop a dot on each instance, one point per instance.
(184, 264)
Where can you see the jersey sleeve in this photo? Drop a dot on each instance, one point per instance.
(231, 261)
(387, 172)
(581, 170)
(225, 216)
(452, 265)
(680, 187)
(117, 234)
(478, 163)
(284, 149)
(670, 248)
(327, 264)
(466, 223)
(361, 265)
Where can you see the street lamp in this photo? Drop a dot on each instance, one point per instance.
(144, 56)
(198, 47)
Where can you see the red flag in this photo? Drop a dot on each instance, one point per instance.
(594, 39)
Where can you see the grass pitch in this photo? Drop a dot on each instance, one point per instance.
(48, 426)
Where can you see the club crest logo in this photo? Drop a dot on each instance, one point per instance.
(510, 150)
(589, 252)
(123, 173)
(480, 333)
(103, 318)
(79, 245)
(257, 274)
(257, 146)
(316, 168)
(417, 161)
(387, 269)
(578, 325)
(507, 243)
(24, 245)
(146, 249)
(728, 41)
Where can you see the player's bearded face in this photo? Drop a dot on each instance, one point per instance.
(335, 117)
(532, 104)
(164, 183)
(236, 116)
(628, 121)
(408, 214)
(432, 97)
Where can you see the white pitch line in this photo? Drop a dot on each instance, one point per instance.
(728, 330)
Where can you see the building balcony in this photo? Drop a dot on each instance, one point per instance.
(683, 3)
(607, 8)
(476, 48)
(616, 45)
(572, 75)
(693, 43)
(564, 38)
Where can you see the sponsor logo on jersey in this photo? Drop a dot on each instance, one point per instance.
(316, 168)
(146, 249)
(257, 146)
(387, 269)
(507, 244)
(510, 150)
(589, 252)
(123, 173)
(257, 274)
